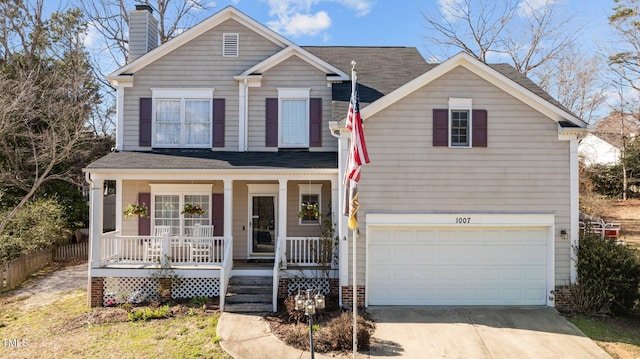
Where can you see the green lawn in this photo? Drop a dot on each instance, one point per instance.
(66, 328)
(620, 337)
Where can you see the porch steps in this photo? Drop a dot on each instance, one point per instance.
(249, 294)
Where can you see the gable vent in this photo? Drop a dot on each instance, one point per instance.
(230, 45)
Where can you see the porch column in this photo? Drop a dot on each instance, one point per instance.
(575, 208)
(95, 219)
(282, 220)
(119, 208)
(95, 225)
(343, 230)
(335, 210)
(228, 213)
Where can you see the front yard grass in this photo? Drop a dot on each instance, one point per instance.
(618, 336)
(67, 328)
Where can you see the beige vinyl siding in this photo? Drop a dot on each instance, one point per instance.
(241, 230)
(525, 168)
(294, 228)
(130, 190)
(291, 73)
(199, 63)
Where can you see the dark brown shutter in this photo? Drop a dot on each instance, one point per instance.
(479, 130)
(440, 127)
(144, 224)
(271, 122)
(218, 122)
(217, 213)
(144, 135)
(315, 122)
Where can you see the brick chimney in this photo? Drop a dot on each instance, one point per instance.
(143, 31)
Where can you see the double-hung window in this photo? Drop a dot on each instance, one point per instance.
(169, 201)
(459, 122)
(460, 125)
(293, 117)
(182, 118)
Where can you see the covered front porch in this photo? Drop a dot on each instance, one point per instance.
(246, 215)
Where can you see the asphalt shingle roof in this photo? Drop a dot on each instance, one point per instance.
(212, 160)
(380, 70)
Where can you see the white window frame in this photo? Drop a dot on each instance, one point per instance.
(182, 95)
(459, 104)
(285, 94)
(310, 189)
(224, 44)
(181, 190)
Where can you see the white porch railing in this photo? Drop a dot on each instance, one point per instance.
(118, 249)
(225, 271)
(304, 251)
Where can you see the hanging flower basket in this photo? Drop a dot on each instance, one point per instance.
(134, 209)
(193, 209)
(309, 211)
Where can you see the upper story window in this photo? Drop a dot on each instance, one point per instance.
(293, 118)
(182, 118)
(459, 122)
(230, 44)
(460, 126)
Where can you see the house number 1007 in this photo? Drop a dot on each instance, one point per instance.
(463, 220)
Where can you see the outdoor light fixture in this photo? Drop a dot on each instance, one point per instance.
(309, 305)
(563, 234)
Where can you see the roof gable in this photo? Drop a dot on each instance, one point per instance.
(524, 91)
(294, 50)
(214, 20)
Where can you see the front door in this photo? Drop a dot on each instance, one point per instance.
(263, 225)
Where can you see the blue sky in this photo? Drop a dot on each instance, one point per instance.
(379, 22)
(388, 22)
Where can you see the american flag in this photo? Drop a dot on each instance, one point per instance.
(357, 157)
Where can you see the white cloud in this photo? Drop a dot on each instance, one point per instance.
(298, 17)
(451, 9)
(529, 7)
(91, 36)
(302, 24)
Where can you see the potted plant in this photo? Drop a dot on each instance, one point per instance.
(135, 209)
(193, 209)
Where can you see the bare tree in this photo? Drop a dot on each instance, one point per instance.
(111, 19)
(624, 59)
(475, 27)
(483, 27)
(47, 95)
(574, 79)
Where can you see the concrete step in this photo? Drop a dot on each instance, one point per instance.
(250, 281)
(248, 298)
(250, 289)
(247, 308)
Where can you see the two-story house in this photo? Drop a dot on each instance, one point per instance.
(470, 196)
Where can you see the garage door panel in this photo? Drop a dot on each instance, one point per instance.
(473, 266)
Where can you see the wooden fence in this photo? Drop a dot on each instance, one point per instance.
(17, 270)
(71, 251)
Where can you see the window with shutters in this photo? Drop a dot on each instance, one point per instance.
(460, 126)
(293, 118)
(230, 44)
(182, 118)
(168, 202)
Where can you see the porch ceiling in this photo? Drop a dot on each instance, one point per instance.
(214, 160)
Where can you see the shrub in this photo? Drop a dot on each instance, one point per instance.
(338, 334)
(38, 225)
(608, 274)
(147, 313)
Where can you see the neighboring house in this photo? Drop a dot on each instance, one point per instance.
(595, 151)
(471, 195)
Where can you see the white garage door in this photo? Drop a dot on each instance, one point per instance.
(451, 266)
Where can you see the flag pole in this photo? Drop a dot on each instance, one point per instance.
(354, 294)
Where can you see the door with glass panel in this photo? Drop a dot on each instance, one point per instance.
(263, 225)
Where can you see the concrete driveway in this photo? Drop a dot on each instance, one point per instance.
(477, 332)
